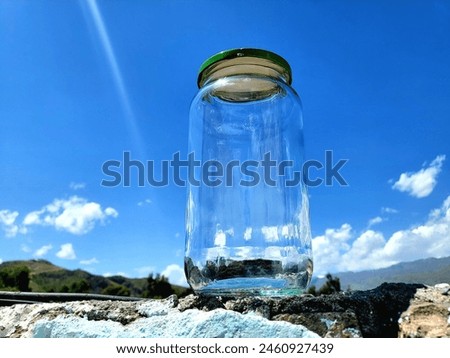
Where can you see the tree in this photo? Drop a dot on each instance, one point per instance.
(158, 287)
(116, 290)
(15, 277)
(80, 286)
(332, 285)
(23, 279)
(312, 290)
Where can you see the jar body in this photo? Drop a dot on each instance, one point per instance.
(247, 214)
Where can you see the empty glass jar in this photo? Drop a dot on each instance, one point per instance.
(247, 214)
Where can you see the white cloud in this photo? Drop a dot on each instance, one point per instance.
(389, 210)
(8, 217)
(66, 252)
(248, 233)
(270, 233)
(77, 186)
(328, 248)
(145, 202)
(42, 251)
(363, 254)
(220, 238)
(175, 274)
(420, 184)
(120, 273)
(243, 252)
(8, 222)
(375, 220)
(32, 218)
(25, 248)
(144, 271)
(1, 261)
(75, 215)
(111, 212)
(89, 262)
(339, 250)
(429, 239)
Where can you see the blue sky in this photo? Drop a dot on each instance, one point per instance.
(83, 81)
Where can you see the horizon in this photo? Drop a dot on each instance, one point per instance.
(83, 82)
(313, 278)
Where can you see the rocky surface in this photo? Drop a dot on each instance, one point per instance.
(428, 315)
(391, 310)
(372, 313)
(144, 319)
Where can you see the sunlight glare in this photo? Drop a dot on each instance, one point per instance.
(116, 74)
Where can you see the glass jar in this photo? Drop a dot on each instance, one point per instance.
(247, 214)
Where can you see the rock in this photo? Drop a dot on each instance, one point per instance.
(444, 288)
(428, 315)
(390, 310)
(17, 320)
(377, 311)
(144, 319)
(200, 302)
(328, 324)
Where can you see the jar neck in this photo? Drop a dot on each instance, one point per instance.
(251, 66)
(244, 79)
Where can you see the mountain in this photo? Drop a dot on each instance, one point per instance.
(429, 271)
(47, 277)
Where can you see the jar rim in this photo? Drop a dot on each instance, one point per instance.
(245, 52)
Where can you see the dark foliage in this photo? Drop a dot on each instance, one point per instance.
(158, 287)
(15, 278)
(332, 285)
(116, 290)
(43, 276)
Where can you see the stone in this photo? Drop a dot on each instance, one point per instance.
(444, 288)
(390, 310)
(16, 320)
(203, 303)
(144, 319)
(377, 311)
(428, 315)
(328, 324)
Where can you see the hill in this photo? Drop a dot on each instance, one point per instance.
(47, 277)
(429, 271)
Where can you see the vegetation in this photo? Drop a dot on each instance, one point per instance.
(43, 276)
(116, 290)
(15, 278)
(158, 287)
(332, 285)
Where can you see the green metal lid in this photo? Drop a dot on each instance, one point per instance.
(246, 52)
